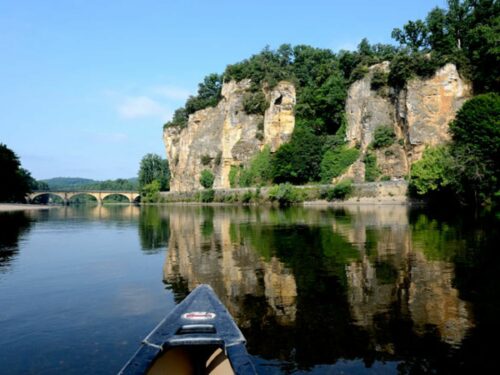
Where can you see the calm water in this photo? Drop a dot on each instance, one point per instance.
(315, 290)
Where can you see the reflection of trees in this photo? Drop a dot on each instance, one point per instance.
(153, 229)
(13, 225)
(311, 286)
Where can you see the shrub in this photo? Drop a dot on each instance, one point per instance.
(247, 197)
(383, 136)
(359, 72)
(207, 179)
(234, 176)
(259, 170)
(150, 192)
(379, 79)
(254, 102)
(336, 161)
(207, 195)
(433, 172)
(340, 191)
(285, 194)
(206, 159)
(371, 170)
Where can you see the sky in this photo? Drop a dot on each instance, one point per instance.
(86, 85)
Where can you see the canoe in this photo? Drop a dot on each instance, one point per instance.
(199, 336)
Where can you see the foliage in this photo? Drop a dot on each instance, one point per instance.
(209, 94)
(467, 34)
(414, 35)
(151, 192)
(16, 181)
(340, 191)
(298, 161)
(371, 170)
(258, 172)
(255, 102)
(476, 148)
(153, 229)
(75, 183)
(433, 172)
(383, 136)
(285, 194)
(379, 79)
(234, 176)
(336, 161)
(207, 179)
(207, 195)
(206, 159)
(152, 168)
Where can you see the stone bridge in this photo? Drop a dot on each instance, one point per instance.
(66, 196)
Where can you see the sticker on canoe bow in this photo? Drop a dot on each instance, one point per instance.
(198, 315)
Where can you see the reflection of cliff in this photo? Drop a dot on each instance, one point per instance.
(208, 248)
(395, 273)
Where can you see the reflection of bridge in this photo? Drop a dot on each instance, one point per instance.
(66, 196)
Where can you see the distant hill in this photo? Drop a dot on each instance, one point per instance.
(77, 183)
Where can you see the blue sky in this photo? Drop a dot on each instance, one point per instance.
(86, 85)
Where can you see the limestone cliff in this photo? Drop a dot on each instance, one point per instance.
(220, 137)
(419, 114)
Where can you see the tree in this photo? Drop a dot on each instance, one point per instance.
(16, 182)
(476, 135)
(152, 168)
(299, 160)
(433, 173)
(414, 35)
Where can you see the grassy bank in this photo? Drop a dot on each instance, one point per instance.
(286, 194)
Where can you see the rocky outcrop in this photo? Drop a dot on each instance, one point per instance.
(419, 114)
(224, 136)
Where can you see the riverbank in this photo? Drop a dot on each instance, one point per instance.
(383, 192)
(5, 207)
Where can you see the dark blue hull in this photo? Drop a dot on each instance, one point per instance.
(199, 326)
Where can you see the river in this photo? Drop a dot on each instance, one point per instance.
(315, 290)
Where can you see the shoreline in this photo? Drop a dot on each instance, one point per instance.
(9, 207)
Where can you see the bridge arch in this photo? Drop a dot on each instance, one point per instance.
(35, 196)
(71, 196)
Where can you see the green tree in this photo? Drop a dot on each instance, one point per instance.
(414, 35)
(476, 148)
(150, 193)
(16, 181)
(207, 179)
(152, 168)
(433, 173)
(299, 160)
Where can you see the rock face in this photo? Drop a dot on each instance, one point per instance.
(224, 136)
(419, 114)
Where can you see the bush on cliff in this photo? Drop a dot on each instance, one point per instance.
(207, 179)
(383, 136)
(336, 161)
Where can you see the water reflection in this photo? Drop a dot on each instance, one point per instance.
(313, 286)
(13, 225)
